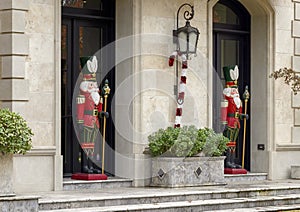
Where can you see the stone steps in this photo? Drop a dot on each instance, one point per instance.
(111, 182)
(294, 208)
(114, 182)
(19, 203)
(245, 177)
(198, 205)
(233, 196)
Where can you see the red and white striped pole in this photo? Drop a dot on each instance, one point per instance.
(182, 85)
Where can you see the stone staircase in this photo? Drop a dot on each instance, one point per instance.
(242, 195)
(70, 185)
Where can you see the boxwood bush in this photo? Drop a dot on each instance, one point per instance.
(15, 135)
(186, 142)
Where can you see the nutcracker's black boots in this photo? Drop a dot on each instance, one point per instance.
(84, 165)
(229, 161)
(87, 166)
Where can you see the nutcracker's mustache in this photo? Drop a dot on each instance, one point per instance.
(236, 95)
(91, 90)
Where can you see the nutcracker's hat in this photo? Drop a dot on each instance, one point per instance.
(89, 67)
(231, 75)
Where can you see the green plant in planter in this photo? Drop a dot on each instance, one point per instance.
(215, 144)
(15, 135)
(162, 140)
(186, 142)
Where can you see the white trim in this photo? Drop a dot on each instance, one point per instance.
(58, 158)
(287, 147)
(211, 4)
(39, 151)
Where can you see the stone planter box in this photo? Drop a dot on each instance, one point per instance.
(6, 175)
(190, 171)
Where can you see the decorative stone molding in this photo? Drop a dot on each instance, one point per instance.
(13, 67)
(296, 63)
(14, 4)
(296, 67)
(12, 21)
(14, 44)
(297, 11)
(296, 28)
(296, 135)
(40, 151)
(288, 147)
(295, 172)
(15, 90)
(297, 117)
(296, 101)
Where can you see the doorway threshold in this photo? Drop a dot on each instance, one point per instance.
(250, 176)
(112, 182)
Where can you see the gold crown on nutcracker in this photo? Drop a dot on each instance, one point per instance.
(231, 75)
(89, 67)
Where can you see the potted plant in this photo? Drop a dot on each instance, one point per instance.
(187, 156)
(15, 138)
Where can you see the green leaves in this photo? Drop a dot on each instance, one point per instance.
(215, 144)
(15, 135)
(186, 142)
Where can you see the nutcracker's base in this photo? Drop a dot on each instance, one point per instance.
(235, 171)
(84, 176)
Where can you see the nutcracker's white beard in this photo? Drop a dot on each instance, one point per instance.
(96, 97)
(237, 100)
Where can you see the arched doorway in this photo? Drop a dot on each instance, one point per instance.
(87, 26)
(231, 46)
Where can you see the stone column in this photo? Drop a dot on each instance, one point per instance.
(296, 67)
(13, 85)
(14, 49)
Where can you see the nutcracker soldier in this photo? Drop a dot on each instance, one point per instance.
(233, 117)
(89, 111)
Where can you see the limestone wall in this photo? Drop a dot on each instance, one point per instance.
(158, 101)
(287, 105)
(28, 86)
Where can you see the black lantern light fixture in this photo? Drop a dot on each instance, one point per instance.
(186, 37)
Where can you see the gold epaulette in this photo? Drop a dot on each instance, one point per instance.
(80, 99)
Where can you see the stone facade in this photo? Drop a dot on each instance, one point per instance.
(28, 65)
(30, 77)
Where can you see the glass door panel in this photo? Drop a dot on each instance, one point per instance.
(229, 55)
(78, 39)
(230, 50)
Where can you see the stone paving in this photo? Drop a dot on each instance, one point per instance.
(279, 195)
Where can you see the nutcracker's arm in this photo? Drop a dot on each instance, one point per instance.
(100, 110)
(224, 111)
(80, 108)
(243, 115)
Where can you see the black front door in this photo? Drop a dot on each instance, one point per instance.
(84, 32)
(232, 47)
